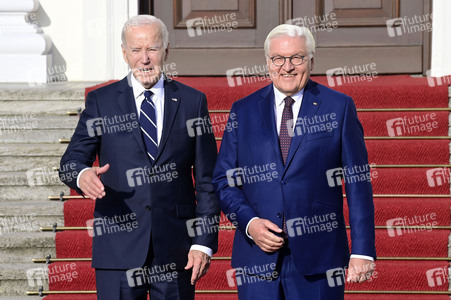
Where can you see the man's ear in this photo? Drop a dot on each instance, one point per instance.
(166, 53)
(124, 54)
(312, 62)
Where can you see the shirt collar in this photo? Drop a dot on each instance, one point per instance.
(279, 96)
(157, 89)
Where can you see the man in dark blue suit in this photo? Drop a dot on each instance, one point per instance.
(154, 230)
(280, 171)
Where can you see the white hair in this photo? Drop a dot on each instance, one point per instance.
(292, 31)
(141, 20)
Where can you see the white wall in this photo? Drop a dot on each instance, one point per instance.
(441, 38)
(86, 36)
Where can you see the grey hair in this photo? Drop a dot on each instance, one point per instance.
(141, 20)
(292, 31)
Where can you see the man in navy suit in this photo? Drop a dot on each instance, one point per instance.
(154, 230)
(280, 171)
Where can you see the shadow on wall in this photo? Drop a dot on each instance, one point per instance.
(56, 71)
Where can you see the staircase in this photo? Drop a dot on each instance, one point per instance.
(401, 189)
(32, 121)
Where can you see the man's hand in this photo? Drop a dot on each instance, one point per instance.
(360, 270)
(200, 262)
(90, 183)
(259, 230)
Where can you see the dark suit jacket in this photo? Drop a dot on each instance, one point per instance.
(301, 188)
(157, 199)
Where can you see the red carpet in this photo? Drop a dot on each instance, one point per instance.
(235, 297)
(392, 275)
(375, 124)
(426, 244)
(400, 91)
(414, 277)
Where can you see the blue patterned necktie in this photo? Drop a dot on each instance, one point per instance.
(284, 137)
(148, 122)
(285, 140)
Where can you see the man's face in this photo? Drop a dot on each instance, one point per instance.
(289, 79)
(144, 53)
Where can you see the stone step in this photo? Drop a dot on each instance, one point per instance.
(9, 125)
(24, 157)
(16, 278)
(42, 176)
(26, 216)
(36, 193)
(32, 150)
(27, 110)
(23, 164)
(36, 135)
(54, 91)
(20, 298)
(22, 247)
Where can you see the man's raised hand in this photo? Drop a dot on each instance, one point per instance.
(90, 183)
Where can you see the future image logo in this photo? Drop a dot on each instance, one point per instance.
(409, 125)
(351, 174)
(247, 75)
(251, 274)
(254, 174)
(438, 176)
(311, 225)
(438, 276)
(409, 25)
(208, 25)
(349, 75)
(406, 225)
(112, 124)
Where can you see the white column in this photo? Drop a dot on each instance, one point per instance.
(105, 31)
(24, 50)
(119, 12)
(441, 38)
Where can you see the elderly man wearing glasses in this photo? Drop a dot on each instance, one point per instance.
(291, 240)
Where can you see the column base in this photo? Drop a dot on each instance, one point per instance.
(30, 68)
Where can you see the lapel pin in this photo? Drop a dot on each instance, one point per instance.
(174, 99)
(314, 103)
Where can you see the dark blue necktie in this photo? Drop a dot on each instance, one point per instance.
(284, 137)
(148, 121)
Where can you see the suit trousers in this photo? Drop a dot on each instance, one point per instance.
(288, 284)
(160, 282)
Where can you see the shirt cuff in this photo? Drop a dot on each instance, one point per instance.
(78, 177)
(362, 257)
(203, 249)
(247, 227)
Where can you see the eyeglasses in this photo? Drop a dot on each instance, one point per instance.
(295, 60)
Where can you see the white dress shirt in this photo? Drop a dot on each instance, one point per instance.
(279, 104)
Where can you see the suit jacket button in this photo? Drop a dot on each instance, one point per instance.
(279, 216)
(284, 182)
(148, 207)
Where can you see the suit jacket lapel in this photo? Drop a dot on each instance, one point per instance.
(309, 108)
(128, 106)
(266, 107)
(171, 105)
